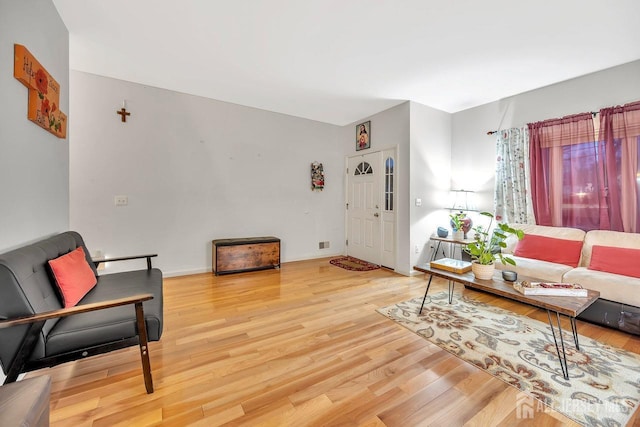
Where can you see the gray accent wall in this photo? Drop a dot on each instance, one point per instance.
(34, 164)
(196, 169)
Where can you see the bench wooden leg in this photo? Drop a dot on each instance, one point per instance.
(144, 348)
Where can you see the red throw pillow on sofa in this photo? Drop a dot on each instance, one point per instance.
(73, 276)
(560, 251)
(615, 260)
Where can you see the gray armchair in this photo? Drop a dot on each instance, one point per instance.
(123, 309)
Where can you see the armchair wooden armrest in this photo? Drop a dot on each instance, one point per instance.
(64, 312)
(98, 261)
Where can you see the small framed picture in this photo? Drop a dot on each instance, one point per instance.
(363, 136)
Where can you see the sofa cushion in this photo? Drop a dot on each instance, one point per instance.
(536, 269)
(615, 260)
(81, 330)
(558, 251)
(543, 230)
(616, 239)
(612, 287)
(73, 276)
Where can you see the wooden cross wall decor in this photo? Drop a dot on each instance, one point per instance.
(123, 113)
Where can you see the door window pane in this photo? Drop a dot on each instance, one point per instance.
(388, 184)
(363, 168)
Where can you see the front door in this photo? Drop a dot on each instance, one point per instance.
(363, 207)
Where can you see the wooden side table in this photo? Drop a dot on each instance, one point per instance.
(26, 402)
(453, 243)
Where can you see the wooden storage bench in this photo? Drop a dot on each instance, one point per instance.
(245, 254)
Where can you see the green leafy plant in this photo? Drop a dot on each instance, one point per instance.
(487, 245)
(456, 220)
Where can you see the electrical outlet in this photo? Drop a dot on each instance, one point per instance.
(121, 200)
(323, 245)
(417, 249)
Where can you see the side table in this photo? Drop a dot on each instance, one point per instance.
(26, 402)
(453, 244)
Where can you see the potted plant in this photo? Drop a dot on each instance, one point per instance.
(487, 245)
(456, 225)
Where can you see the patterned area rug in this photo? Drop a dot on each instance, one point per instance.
(604, 384)
(353, 264)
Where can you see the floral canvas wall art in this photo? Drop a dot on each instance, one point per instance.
(44, 92)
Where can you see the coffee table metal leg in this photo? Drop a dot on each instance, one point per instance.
(561, 357)
(425, 293)
(451, 286)
(574, 329)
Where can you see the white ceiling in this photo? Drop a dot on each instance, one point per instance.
(338, 61)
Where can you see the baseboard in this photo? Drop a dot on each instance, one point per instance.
(315, 256)
(176, 273)
(407, 273)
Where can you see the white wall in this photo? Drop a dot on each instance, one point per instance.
(430, 177)
(34, 195)
(34, 164)
(196, 169)
(473, 151)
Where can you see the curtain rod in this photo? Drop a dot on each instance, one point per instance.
(493, 132)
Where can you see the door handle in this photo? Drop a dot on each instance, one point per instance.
(376, 214)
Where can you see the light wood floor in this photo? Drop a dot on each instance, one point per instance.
(299, 346)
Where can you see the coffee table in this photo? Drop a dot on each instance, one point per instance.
(567, 306)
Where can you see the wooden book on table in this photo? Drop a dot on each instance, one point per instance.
(450, 264)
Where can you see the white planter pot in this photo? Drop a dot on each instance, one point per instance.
(483, 272)
(458, 235)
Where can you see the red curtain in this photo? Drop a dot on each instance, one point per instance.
(583, 181)
(620, 134)
(566, 183)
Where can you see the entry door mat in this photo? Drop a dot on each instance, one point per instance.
(353, 264)
(604, 382)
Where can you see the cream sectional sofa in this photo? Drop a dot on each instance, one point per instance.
(618, 293)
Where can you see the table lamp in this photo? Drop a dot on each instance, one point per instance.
(462, 201)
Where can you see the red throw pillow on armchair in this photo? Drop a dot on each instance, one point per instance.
(73, 276)
(615, 260)
(560, 251)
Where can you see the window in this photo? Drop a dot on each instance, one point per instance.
(363, 168)
(584, 180)
(388, 184)
(580, 203)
